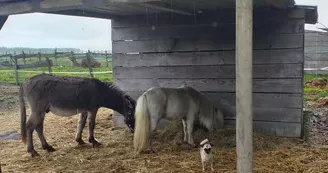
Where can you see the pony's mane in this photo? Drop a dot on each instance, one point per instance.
(206, 106)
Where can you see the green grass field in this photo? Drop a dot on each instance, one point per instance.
(63, 65)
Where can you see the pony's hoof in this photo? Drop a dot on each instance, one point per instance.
(192, 144)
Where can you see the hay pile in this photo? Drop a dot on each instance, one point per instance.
(224, 138)
(272, 154)
(317, 82)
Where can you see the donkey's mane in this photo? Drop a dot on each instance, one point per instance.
(110, 85)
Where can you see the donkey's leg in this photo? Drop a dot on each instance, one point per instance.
(92, 123)
(30, 126)
(184, 130)
(39, 130)
(80, 127)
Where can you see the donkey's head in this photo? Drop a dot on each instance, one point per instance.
(129, 108)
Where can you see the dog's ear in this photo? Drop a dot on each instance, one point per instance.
(201, 146)
(211, 145)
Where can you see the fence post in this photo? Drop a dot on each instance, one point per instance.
(56, 57)
(15, 66)
(73, 57)
(24, 56)
(49, 65)
(39, 56)
(106, 58)
(29, 52)
(89, 64)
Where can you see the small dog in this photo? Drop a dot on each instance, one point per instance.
(206, 154)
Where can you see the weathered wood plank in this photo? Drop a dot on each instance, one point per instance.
(213, 85)
(206, 18)
(315, 71)
(36, 64)
(315, 56)
(316, 64)
(274, 128)
(201, 32)
(206, 58)
(320, 38)
(316, 44)
(177, 45)
(261, 100)
(267, 114)
(316, 47)
(191, 72)
(287, 129)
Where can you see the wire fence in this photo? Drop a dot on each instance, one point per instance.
(14, 68)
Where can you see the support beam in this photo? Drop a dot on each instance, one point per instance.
(165, 9)
(3, 20)
(244, 91)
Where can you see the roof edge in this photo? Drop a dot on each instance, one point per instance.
(311, 13)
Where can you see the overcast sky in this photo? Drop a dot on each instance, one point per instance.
(39, 30)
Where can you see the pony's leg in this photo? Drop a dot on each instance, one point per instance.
(80, 127)
(184, 130)
(190, 126)
(30, 126)
(153, 126)
(92, 123)
(39, 130)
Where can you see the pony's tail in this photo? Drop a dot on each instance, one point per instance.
(23, 113)
(142, 128)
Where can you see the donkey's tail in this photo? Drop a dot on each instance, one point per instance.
(23, 113)
(142, 127)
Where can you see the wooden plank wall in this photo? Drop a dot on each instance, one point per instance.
(170, 50)
(316, 49)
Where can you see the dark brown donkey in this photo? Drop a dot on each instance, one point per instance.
(67, 96)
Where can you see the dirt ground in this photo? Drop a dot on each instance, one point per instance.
(271, 154)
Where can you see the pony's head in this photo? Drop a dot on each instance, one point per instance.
(129, 108)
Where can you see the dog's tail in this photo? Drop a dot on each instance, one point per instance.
(142, 126)
(22, 112)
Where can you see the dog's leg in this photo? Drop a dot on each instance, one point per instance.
(184, 130)
(212, 165)
(203, 164)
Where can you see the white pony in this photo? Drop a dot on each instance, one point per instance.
(183, 103)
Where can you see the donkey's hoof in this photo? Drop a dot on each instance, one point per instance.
(34, 154)
(96, 143)
(80, 142)
(50, 149)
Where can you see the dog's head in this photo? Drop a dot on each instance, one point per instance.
(206, 146)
